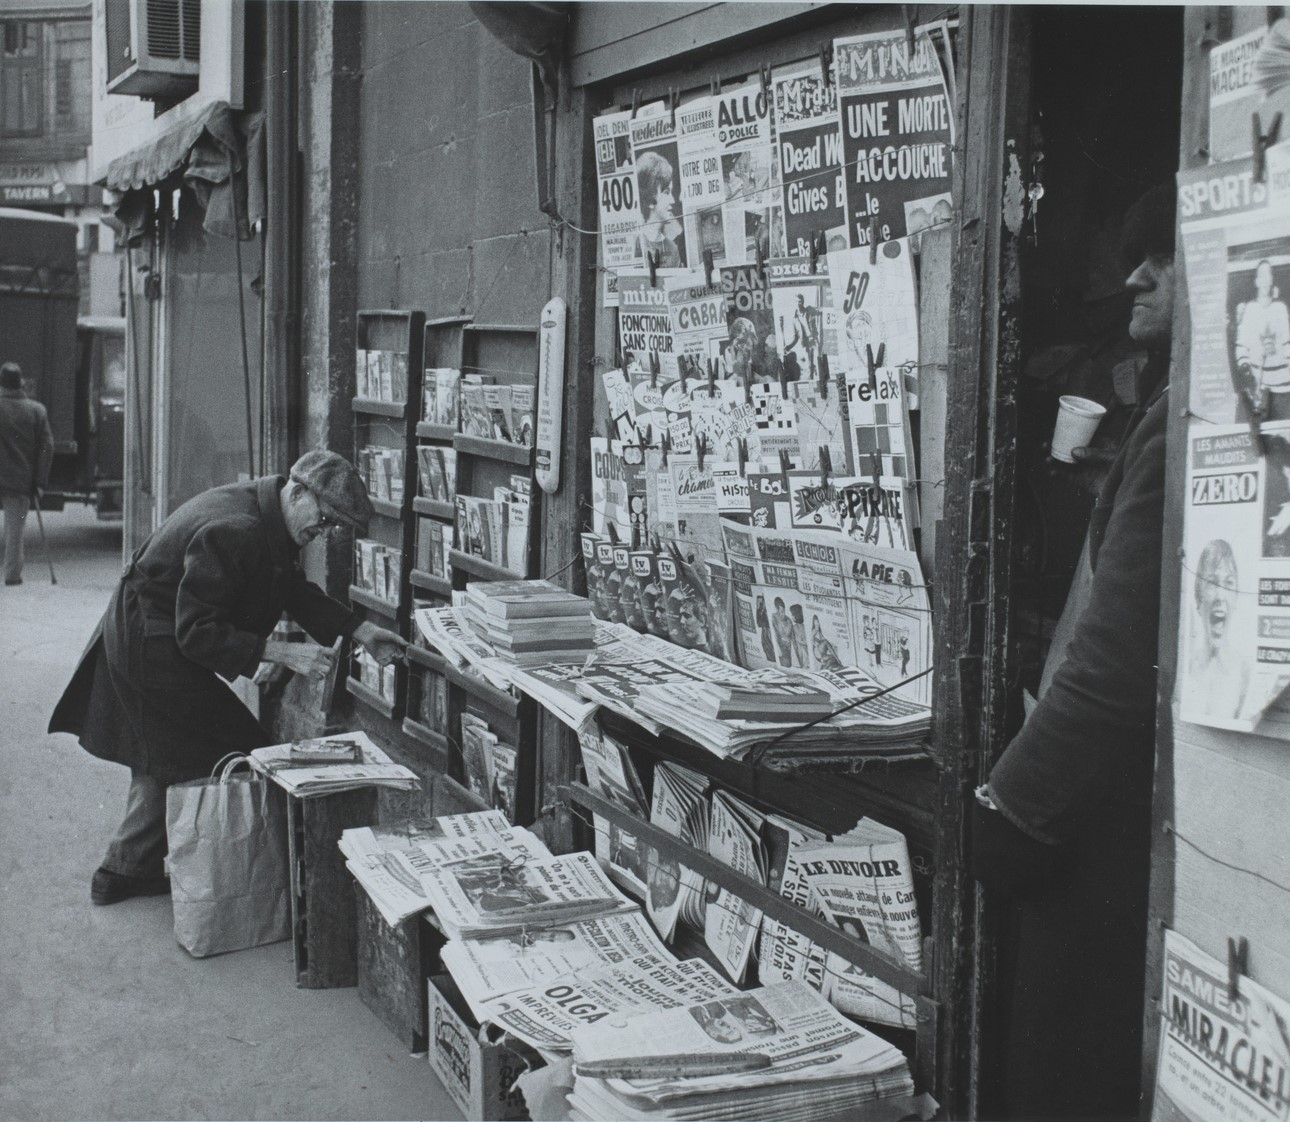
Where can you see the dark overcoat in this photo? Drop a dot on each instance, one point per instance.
(1070, 845)
(194, 606)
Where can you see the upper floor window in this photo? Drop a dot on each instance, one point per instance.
(20, 101)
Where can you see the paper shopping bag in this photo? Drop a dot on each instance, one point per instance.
(229, 876)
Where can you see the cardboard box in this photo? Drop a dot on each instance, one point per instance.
(479, 1075)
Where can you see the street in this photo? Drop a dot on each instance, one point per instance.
(102, 1014)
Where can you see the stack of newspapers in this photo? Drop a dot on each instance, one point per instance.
(775, 1052)
(390, 861)
(326, 765)
(531, 622)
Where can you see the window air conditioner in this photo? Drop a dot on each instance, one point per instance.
(153, 47)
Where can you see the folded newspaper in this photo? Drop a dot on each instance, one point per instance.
(386, 860)
(496, 893)
(494, 966)
(820, 1064)
(280, 764)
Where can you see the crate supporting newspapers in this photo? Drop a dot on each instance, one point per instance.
(479, 1074)
(774, 906)
(323, 920)
(394, 964)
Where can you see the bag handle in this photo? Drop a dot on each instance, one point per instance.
(223, 770)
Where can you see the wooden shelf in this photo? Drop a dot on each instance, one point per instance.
(478, 567)
(388, 509)
(504, 450)
(426, 735)
(429, 659)
(500, 328)
(379, 408)
(370, 697)
(371, 600)
(440, 586)
(432, 431)
(436, 508)
(503, 702)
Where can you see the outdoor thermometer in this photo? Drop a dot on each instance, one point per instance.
(550, 395)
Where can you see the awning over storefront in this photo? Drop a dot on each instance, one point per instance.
(202, 154)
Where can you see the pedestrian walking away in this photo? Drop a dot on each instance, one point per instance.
(26, 453)
(197, 603)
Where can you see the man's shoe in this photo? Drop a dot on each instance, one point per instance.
(18, 581)
(112, 888)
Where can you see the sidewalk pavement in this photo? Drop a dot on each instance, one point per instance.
(102, 1014)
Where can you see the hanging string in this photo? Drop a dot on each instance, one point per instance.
(1170, 829)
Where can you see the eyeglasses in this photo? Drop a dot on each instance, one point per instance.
(326, 520)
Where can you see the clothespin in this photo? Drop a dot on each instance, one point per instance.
(817, 238)
(741, 449)
(636, 537)
(646, 437)
(655, 368)
(611, 430)
(673, 100)
(764, 74)
(701, 448)
(909, 30)
(761, 260)
(666, 443)
(873, 362)
(826, 58)
(636, 103)
(873, 243)
(1238, 963)
(708, 266)
(823, 363)
(612, 529)
(783, 382)
(877, 473)
(712, 378)
(1262, 143)
(826, 467)
(785, 463)
(683, 365)
(714, 85)
(654, 257)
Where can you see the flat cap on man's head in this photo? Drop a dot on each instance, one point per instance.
(1148, 229)
(335, 481)
(10, 376)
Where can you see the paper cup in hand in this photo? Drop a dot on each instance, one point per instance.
(1077, 421)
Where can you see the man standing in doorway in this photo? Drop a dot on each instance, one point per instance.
(26, 452)
(1062, 829)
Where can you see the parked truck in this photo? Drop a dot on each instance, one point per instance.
(75, 365)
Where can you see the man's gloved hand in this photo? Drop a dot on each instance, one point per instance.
(1092, 464)
(384, 646)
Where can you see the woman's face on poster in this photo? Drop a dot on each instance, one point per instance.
(663, 201)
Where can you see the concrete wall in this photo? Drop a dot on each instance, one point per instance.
(446, 169)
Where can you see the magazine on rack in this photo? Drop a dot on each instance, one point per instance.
(863, 882)
(730, 923)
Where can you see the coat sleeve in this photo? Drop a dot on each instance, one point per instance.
(323, 618)
(220, 562)
(1089, 739)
